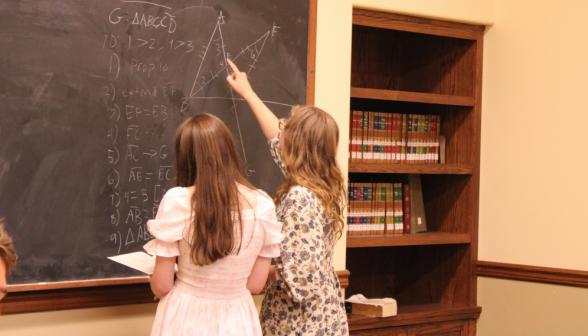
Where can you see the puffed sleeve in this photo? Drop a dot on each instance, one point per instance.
(172, 217)
(276, 152)
(298, 269)
(266, 217)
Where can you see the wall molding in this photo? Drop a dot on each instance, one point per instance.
(547, 275)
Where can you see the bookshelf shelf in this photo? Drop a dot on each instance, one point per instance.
(426, 238)
(414, 97)
(415, 314)
(408, 65)
(392, 168)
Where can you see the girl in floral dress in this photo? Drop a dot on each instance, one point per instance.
(303, 296)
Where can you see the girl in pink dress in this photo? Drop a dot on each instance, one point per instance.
(222, 230)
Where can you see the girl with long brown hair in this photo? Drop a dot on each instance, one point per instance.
(222, 230)
(303, 296)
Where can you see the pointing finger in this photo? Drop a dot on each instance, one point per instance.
(233, 66)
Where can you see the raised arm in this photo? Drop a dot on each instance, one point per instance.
(266, 118)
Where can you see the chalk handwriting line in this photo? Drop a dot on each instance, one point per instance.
(146, 2)
(203, 58)
(258, 53)
(39, 94)
(242, 99)
(234, 107)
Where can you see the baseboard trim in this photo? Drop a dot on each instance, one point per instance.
(547, 275)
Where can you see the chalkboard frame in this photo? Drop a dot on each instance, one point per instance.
(123, 291)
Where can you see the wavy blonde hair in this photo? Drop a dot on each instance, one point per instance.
(310, 139)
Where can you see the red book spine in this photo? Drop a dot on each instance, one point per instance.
(406, 206)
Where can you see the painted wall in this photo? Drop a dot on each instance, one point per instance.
(533, 173)
(514, 308)
(332, 94)
(534, 102)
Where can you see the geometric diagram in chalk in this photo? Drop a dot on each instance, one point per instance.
(213, 57)
(213, 66)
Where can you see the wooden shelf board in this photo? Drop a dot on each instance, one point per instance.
(414, 97)
(419, 168)
(415, 314)
(425, 238)
(364, 17)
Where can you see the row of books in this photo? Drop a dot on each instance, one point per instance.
(378, 208)
(386, 208)
(394, 137)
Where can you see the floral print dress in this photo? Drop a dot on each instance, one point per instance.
(306, 299)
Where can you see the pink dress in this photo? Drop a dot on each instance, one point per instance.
(213, 299)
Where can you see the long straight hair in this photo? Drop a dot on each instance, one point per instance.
(206, 158)
(310, 140)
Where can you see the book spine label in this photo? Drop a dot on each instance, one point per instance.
(398, 221)
(426, 131)
(389, 209)
(388, 137)
(364, 145)
(383, 118)
(376, 137)
(437, 131)
(409, 140)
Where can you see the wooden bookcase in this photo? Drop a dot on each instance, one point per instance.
(403, 64)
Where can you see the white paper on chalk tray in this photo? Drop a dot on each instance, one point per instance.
(140, 261)
(359, 298)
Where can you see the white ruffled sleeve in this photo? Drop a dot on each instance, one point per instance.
(266, 217)
(168, 226)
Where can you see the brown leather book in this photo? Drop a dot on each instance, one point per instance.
(418, 223)
(406, 207)
(403, 133)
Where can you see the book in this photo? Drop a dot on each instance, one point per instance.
(403, 139)
(364, 136)
(409, 141)
(351, 212)
(389, 210)
(397, 137)
(383, 136)
(360, 208)
(356, 137)
(438, 141)
(442, 149)
(418, 222)
(376, 136)
(406, 208)
(389, 142)
(373, 208)
(432, 136)
(360, 305)
(376, 209)
(426, 135)
(398, 218)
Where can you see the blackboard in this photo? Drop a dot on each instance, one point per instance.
(91, 93)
